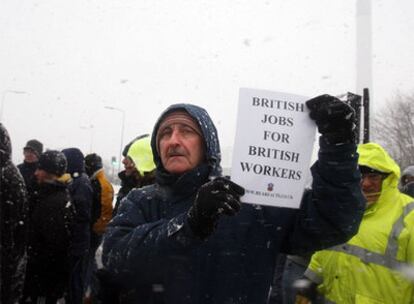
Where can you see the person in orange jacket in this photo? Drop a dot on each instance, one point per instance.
(103, 195)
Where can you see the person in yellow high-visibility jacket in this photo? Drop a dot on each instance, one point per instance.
(375, 265)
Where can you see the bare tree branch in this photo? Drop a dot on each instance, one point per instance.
(393, 128)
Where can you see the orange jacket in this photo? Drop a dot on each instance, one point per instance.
(107, 196)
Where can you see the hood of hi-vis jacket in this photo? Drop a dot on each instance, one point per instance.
(141, 154)
(374, 156)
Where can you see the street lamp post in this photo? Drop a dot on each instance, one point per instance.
(3, 98)
(122, 132)
(90, 127)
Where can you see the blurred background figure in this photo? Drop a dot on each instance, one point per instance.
(81, 193)
(13, 221)
(407, 181)
(139, 167)
(31, 153)
(49, 235)
(103, 195)
(139, 172)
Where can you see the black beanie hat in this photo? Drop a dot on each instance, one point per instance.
(93, 162)
(368, 170)
(53, 162)
(34, 145)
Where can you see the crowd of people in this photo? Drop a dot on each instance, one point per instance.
(176, 232)
(54, 210)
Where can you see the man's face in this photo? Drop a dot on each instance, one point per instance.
(129, 166)
(180, 145)
(30, 156)
(371, 184)
(43, 176)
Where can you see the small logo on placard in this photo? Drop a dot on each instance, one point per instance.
(270, 187)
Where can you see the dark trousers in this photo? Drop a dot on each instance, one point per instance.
(275, 296)
(91, 276)
(44, 300)
(77, 278)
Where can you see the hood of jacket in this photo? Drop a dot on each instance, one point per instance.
(209, 132)
(76, 162)
(5, 145)
(374, 156)
(141, 154)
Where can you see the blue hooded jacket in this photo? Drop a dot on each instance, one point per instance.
(81, 193)
(150, 250)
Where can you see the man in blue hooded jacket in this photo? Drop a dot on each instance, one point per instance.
(187, 238)
(81, 193)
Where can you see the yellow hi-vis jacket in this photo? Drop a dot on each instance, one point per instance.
(373, 266)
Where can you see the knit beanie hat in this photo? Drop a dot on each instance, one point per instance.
(53, 162)
(408, 171)
(34, 145)
(177, 117)
(93, 162)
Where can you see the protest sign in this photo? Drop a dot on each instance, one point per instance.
(273, 147)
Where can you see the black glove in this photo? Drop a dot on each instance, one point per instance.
(334, 118)
(213, 199)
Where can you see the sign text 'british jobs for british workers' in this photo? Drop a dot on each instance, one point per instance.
(273, 147)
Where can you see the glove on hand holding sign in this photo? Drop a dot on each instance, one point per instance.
(334, 118)
(219, 196)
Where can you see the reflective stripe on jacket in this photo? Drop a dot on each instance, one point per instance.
(370, 267)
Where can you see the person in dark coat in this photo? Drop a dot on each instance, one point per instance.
(407, 181)
(49, 235)
(13, 225)
(140, 169)
(81, 193)
(103, 195)
(31, 152)
(187, 239)
(131, 177)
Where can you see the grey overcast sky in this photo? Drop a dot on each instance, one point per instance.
(73, 58)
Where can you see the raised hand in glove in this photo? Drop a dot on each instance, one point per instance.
(219, 196)
(334, 118)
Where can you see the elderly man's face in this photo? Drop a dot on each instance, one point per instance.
(180, 146)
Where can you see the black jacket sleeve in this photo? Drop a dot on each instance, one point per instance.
(139, 237)
(331, 212)
(13, 213)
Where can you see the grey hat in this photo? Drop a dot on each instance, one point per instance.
(34, 145)
(408, 171)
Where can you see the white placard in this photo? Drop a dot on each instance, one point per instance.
(273, 147)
